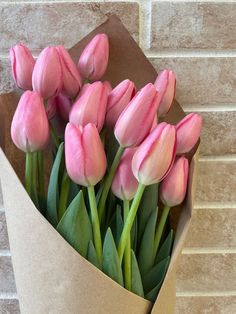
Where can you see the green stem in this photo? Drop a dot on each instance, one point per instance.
(127, 254)
(95, 222)
(28, 173)
(108, 182)
(159, 230)
(41, 174)
(129, 221)
(35, 180)
(65, 188)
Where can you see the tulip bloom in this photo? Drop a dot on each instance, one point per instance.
(90, 106)
(22, 65)
(85, 156)
(118, 100)
(166, 85)
(70, 75)
(108, 87)
(62, 105)
(188, 132)
(47, 73)
(154, 157)
(94, 58)
(136, 120)
(29, 128)
(173, 187)
(124, 184)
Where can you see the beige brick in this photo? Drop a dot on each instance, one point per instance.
(42, 24)
(6, 82)
(202, 80)
(7, 282)
(206, 305)
(193, 25)
(216, 181)
(4, 244)
(212, 227)
(9, 306)
(206, 272)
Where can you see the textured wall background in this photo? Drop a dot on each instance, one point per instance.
(197, 40)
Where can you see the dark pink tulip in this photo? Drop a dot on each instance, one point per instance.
(173, 187)
(70, 75)
(94, 58)
(136, 120)
(154, 157)
(90, 106)
(85, 156)
(30, 128)
(47, 73)
(165, 84)
(124, 184)
(188, 132)
(118, 100)
(62, 104)
(22, 64)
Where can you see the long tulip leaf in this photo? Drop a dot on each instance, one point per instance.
(166, 247)
(136, 280)
(92, 255)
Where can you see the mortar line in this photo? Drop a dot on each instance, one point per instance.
(216, 205)
(208, 250)
(206, 294)
(191, 53)
(209, 107)
(5, 253)
(145, 13)
(228, 157)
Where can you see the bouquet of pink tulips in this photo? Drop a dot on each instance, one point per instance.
(116, 170)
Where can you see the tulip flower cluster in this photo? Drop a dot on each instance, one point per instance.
(108, 150)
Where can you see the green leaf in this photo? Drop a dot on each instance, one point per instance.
(145, 258)
(136, 281)
(111, 264)
(156, 275)
(92, 255)
(75, 226)
(147, 206)
(166, 247)
(134, 235)
(53, 188)
(74, 190)
(119, 224)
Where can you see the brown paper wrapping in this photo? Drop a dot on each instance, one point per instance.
(51, 277)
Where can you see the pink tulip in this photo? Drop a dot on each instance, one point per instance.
(154, 157)
(136, 120)
(118, 100)
(173, 187)
(70, 74)
(29, 128)
(108, 86)
(62, 104)
(124, 184)
(154, 123)
(188, 132)
(51, 108)
(94, 58)
(47, 73)
(90, 106)
(165, 84)
(85, 156)
(22, 64)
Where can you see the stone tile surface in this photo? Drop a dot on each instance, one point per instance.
(6, 82)
(7, 282)
(4, 244)
(202, 80)
(9, 307)
(193, 25)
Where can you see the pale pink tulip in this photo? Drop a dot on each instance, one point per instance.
(30, 128)
(22, 64)
(188, 132)
(173, 187)
(136, 120)
(165, 84)
(62, 104)
(118, 100)
(124, 184)
(108, 86)
(47, 73)
(154, 157)
(94, 58)
(90, 106)
(84, 153)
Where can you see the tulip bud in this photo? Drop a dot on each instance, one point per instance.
(154, 123)
(165, 84)
(188, 132)
(51, 108)
(62, 104)
(47, 73)
(136, 120)
(94, 58)
(90, 106)
(29, 128)
(22, 64)
(173, 187)
(85, 156)
(118, 100)
(70, 75)
(124, 184)
(108, 86)
(154, 157)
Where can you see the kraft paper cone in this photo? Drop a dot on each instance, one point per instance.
(51, 277)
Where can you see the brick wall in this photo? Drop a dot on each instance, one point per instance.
(197, 40)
